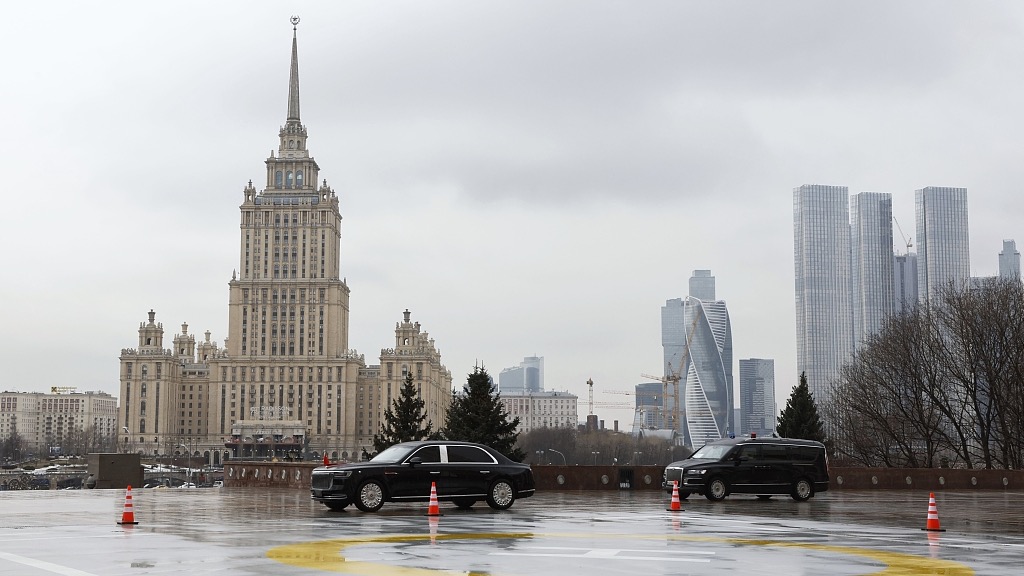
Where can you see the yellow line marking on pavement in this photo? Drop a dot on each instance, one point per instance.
(327, 555)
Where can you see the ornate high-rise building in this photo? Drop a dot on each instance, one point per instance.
(286, 383)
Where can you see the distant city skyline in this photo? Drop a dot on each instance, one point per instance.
(522, 176)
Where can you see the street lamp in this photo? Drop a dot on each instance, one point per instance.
(596, 454)
(540, 456)
(638, 458)
(128, 435)
(559, 453)
(192, 442)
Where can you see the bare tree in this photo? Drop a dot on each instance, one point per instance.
(938, 385)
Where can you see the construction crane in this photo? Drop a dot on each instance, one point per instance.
(671, 380)
(619, 392)
(590, 384)
(905, 239)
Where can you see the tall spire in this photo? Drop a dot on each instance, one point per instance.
(293, 76)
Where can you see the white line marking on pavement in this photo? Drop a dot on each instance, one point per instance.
(606, 554)
(42, 565)
(615, 551)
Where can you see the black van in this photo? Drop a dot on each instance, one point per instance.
(761, 466)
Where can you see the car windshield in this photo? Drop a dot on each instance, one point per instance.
(391, 455)
(711, 452)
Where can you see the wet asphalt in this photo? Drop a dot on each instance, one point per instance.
(281, 532)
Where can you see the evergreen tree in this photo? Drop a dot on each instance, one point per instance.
(477, 415)
(404, 420)
(800, 417)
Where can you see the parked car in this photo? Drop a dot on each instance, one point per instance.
(462, 472)
(761, 466)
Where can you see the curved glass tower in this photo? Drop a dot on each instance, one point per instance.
(708, 368)
(697, 342)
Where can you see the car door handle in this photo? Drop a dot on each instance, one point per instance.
(485, 471)
(435, 471)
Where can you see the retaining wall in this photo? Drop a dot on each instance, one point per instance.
(296, 475)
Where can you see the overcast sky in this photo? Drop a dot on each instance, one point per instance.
(527, 178)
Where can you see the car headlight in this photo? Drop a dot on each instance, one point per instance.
(343, 474)
(696, 472)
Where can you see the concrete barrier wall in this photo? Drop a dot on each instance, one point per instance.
(296, 475)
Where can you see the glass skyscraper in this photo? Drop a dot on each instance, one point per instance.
(871, 262)
(943, 244)
(1009, 261)
(526, 378)
(904, 280)
(757, 396)
(702, 285)
(824, 318)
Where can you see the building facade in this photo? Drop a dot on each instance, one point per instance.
(824, 318)
(758, 412)
(871, 262)
(286, 382)
(542, 410)
(943, 242)
(62, 422)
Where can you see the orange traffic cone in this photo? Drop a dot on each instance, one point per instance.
(676, 506)
(128, 516)
(433, 509)
(327, 461)
(932, 525)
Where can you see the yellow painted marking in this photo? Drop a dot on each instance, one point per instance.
(327, 555)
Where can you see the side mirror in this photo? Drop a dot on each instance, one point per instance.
(415, 460)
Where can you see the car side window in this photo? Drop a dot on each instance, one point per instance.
(804, 453)
(750, 452)
(774, 452)
(428, 454)
(468, 454)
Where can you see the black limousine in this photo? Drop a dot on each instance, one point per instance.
(463, 473)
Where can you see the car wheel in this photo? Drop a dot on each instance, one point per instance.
(716, 490)
(501, 495)
(802, 490)
(764, 496)
(370, 496)
(464, 503)
(336, 506)
(684, 495)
